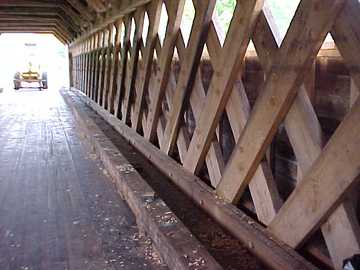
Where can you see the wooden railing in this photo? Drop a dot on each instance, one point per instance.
(157, 88)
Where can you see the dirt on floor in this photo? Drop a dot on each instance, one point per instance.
(58, 208)
(227, 250)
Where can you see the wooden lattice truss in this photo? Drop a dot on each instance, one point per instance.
(133, 79)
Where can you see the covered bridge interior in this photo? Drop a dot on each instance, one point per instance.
(234, 142)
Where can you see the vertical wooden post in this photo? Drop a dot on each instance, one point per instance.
(123, 63)
(92, 65)
(114, 67)
(97, 65)
(107, 64)
(101, 66)
(71, 69)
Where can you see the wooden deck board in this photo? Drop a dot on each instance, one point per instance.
(58, 210)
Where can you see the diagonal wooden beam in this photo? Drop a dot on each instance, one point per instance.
(263, 189)
(122, 69)
(133, 62)
(115, 67)
(154, 11)
(175, 11)
(304, 131)
(237, 40)
(275, 254)
(117, 10)
(346, 34)
(311, 23)
(214, 159)
(188, 70)
(323, 187)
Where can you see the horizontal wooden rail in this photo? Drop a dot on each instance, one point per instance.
(140, 197)
(179, 79)
(274, 253)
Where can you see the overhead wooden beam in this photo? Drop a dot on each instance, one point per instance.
(34, 24)
(42, 12)
(84, 11)
(39, 18)
(97, 5)
(13, 15)
(49, 9)
(63, 5)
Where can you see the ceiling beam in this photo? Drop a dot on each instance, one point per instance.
(47, 18)
(20, 25)
(85, 11)
(42, 7)
(118, 9)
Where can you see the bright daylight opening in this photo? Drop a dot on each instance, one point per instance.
(32, 62)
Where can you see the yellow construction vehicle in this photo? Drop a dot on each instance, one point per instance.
(33, 74)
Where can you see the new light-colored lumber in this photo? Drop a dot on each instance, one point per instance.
(336, 169)
(154, 12)
(122, 69)
(222, 81)
(108, 61)
(174, 10)
(133, 62)
(114, 67)
(304, 131)
(273, 253)
(188, 70)
(278, 92)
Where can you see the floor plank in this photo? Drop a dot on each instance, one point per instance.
(58, 209)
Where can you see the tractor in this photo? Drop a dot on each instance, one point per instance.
(33, 73)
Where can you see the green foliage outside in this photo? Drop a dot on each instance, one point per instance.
(224, 10)
(282, 11)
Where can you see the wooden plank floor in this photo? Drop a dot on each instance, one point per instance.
(58, 210)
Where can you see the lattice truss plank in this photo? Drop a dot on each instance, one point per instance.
(152, 86)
